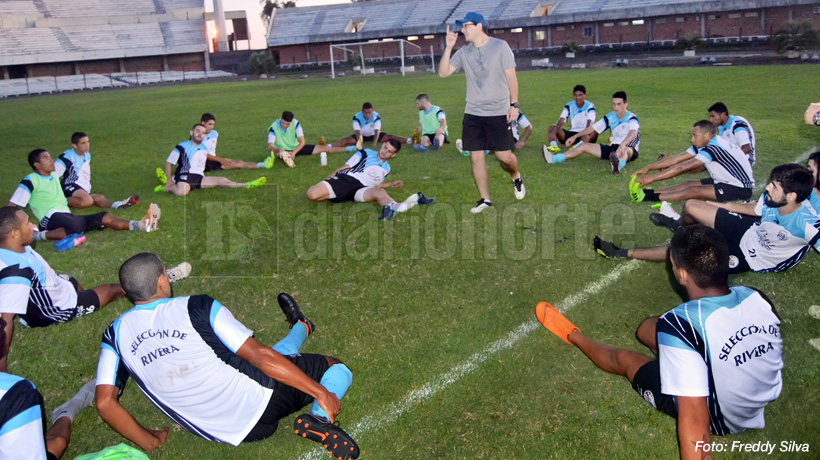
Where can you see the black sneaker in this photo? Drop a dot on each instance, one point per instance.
(613, 160)
(604, 247)
(424, 200)
(387, 212)
(337, 442)
(664, 221)
(292, 312)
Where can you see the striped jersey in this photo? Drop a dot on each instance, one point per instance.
(209, 141)
(74, 168)
(726, 163)
(522, 122)
(366, 167)
(726, 349)
(21, 423)
(181, 353)
(738, 131)
(189, 158)
(578, 116)
(367, 127)
(778, 243)
(814, 201)
(30, 288)
(620, 128)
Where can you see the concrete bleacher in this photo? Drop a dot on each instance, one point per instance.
(485, 7)
(428, 12)
(182, 33)
(18, 7)
(83, 8)
(517, 9)
(174, 4)
(30, 41)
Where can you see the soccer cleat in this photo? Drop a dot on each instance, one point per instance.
(553, 148)
(554, 321)
(636, 194)
(130, 201)
(163, 179)
(613, 160)
(78, 402)
(269, 161)
(321, 141)
(460, 148)
(519, 189)
(256, 183)
(667, 210)
(388, 212)
(547, 154)
(180, 272)
(436, 144)
(338, 443)
(159, 188)
(481, 205)
(287, 157)
(70, 241)
(151, 219)
(419, 148)
(360, 143)
(604, 247)
(293, 313)
(416, 136)
(424, 200)
(662, 220)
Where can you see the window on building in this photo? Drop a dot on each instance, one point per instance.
(498, 31)
(412, 38)
(355, 25)
(587, 31)
(429, 37)
(734, 15)
(517, 30)
(753, 14)
(560, 28)
(637, 22)
(660, 21)
(540, 35)
(680, 19)
(623, 23)
(609, 24)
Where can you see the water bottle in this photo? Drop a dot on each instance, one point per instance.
(323, 158)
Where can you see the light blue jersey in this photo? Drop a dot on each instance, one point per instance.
(74, 169)
(620, 128)
(366, 167)
(738, 131)
(726, 163)
(369, 126)
(778, 243)
(814, 201)
(189, 158)
(21, 423)
(578, 116)
(209, 141)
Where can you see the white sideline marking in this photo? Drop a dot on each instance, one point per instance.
(442, 381)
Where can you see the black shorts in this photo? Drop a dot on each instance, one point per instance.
(486, 133)
(732, 226)
(430, 137)
(69, 189)
(212, 165)
(726, 192)
(194, 180)
(369, 138)
(344, 187)
(73, 223)
(307, 149)
(87, 302)
(647, 382)
(607, 150)
(286, 400)
(568, 134)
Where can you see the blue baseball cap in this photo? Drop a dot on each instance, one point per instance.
(475, 18)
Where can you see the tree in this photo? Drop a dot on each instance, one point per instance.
(795, 37)
(268, 6)
(690, 41)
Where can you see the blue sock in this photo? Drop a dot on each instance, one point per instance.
(350, 148)
(293, 341)
(116, 204)
(336, 380)
(558, 158)
(553, 143)
(621, 164)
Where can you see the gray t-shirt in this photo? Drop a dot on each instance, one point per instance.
(488, 93)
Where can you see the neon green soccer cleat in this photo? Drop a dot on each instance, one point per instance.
(635, 192)
(256, 183)
(269, 161)
(163, 179)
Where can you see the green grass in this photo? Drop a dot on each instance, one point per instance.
(405, 301)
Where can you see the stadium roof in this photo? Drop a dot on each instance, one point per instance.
(377, 19)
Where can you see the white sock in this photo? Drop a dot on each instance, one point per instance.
(39, 235)
(73, 406)
(134, 225)
(409, 140)
(261, 164)
(409, 203)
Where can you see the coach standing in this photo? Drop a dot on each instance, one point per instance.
(492, 100)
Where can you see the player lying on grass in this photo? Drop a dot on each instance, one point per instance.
(215, 163)
(580, 113)
(432, 127)
(731, 177)
(190, 157)
(705, 376)
(771, 235)
(208, 374)
(367, 124)
(734, 129)
(623, 145)
(286, 137)
(41, 190)
(361, 179)
(74, 169)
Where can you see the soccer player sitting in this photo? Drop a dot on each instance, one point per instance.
(734, 129)
(771, 235)
(361, 179)
(367, 124)
(215, 163)
(41, 191)
(711, 383)
(814, 167)
(623, 147)
(432, 125)
(580, 113)
(286, 137)
(206, 372)
(74, 169)
(190, 157)
(731, 177)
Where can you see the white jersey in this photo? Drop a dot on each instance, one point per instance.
(367, 127)
(181, 352)
(726, 163)
(522, 122)
(578, 117)
(778, 242)
(620, 128)
(738, 131)
(21, 423)
(727, 349)
(74, 168)
(366, 167)
(209, 141)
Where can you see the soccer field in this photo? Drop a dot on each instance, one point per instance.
(433, 311)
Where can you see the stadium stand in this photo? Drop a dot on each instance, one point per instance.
(428, 12)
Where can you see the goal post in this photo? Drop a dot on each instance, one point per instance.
(360, 47)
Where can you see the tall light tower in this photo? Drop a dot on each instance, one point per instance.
(221, 30)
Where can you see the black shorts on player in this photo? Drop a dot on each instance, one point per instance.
(608, 150)
(286, 400)
(732, 226)
(307, 149)
(69, 189)
(344, 187)
(87, 302)
(647, 382)
(486, 133)
(725, 192)
(194, 180)
(73, 223)
(430, 137)
(212, 165)
(568, 134)
(368, 138)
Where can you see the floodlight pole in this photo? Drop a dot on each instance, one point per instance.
(432, 59)
(332, 71)
(401, 53)
(361, 54)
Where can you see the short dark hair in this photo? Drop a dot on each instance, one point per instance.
(367, 105)
(704, 254)
(705, 126)
(422, 97)
(34, 157)
(580, 88)
(195, 126)
(77, 137)
(815, 157)
(719, 107)
(793, 178)
(395, 143)
(287, 116)
(139, 275)
(206, 117)
(8, 221)
(619, 95)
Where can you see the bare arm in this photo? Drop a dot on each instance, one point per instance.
(691, 165)
(512, 82)
(444, 67)
(118, 418)
(666, 162)
(588, 130)
(693, 428)
(394, 184)
(524, 136)
(740, 208)
(6, 332)
(299, 147)
(170, 182)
